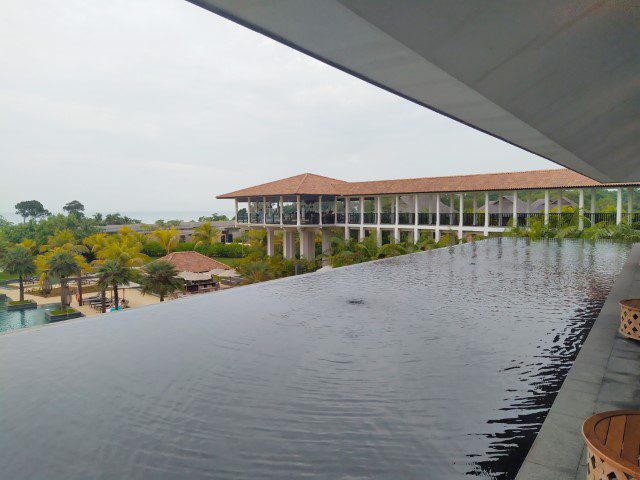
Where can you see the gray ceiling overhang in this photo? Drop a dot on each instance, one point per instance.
(557, 78)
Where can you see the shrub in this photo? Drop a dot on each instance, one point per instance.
(153, 249)
(185, 247)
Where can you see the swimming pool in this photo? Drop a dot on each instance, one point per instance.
(23, 318)
(434, 365)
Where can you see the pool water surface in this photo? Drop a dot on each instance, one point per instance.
(436, 365)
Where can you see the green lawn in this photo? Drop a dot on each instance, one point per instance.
(232, 262)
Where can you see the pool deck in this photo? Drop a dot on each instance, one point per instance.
(605, 376)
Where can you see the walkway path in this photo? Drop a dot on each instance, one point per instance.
(605, 376)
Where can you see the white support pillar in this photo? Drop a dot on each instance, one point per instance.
(288, 243)
(298, 209)
(475, 209)
(264, 210)
(378, 210)
(499, 209)
(593, 203)
(307, 244)
(236, 208)
(436, 234)
(460, 214)
(320, 210)
(249, 210)
(326, 244)
(270, 242)
(528, 200)
(346, 218)
(580, 209)
(546, 207)
(335, 209)
(629, 203)
(416, 205)
(486, 214)
(280, 208)
(515, 208)
(397, 210)
(361, 211)
(302, 244)
(619, 207)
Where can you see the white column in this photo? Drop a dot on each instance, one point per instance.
(416, 233)
(515, 208)
(298, 210)
(326, 241)
(346, 218)
(499, 209)
(437, 230)
(280, 208)
(236, 206)
(264, 210)
(546, 207)
(378, 209)
(335, 209)
(486, 214)
(629, 203)
(307, 244)
(580, 209)
(302, 244)
(475, 209)
(528, 200)
(379, 236)
(460, 213)
(361, 231)
(593, 203)
(397, 212)
(288, 243)
(619, 207)
(320, 210)
(248, 209)
(270, 242)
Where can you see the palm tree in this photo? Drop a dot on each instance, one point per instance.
(255, 271)
(160, 278)
(168, 239)
(112, 273)
(205, 234)
(62, 264)
(19, 261)
(124, 248)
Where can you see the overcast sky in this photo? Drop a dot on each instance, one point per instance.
(134, 105)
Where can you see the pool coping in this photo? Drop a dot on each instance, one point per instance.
(604, 376)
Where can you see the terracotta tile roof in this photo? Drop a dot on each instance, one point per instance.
(305, 184)
(315, 185)
(193, 262)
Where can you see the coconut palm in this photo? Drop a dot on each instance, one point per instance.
(160, 278)
(29, 245)
(255, 271)
(62, 264)
(64, 239)
(19, 261)
(205, 234)
(124, 248)
(168, 239)
(96, 242)
(112, 273)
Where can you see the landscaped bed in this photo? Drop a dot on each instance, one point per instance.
(62, 314)
(21, 305)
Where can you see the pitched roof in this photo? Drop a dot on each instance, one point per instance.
(311, 184)
(193, 262)
(304, 184)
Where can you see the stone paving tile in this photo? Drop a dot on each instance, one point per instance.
(576, 398)
(559, 442)
(532, 471)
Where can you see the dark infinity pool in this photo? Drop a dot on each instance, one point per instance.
(435, 365)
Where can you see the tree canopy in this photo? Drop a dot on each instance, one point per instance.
(31, 209)
(74, 207)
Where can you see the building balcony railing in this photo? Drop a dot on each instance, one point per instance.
(256, 217)
(310, 218)
(289, 218)
(426, 218)
(406, 218)
(449, 219)
(370, 218)
(607, 217)
(387, 218)
(329, 218)
(340, 217)
(242, 217)
(354, 217)
(273, 218)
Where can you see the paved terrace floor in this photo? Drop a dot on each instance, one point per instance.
(605, 376)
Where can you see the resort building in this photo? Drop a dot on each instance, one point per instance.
(198, 271)
(229, 230)
(305, 204)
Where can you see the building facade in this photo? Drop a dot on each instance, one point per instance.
(481, 204)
